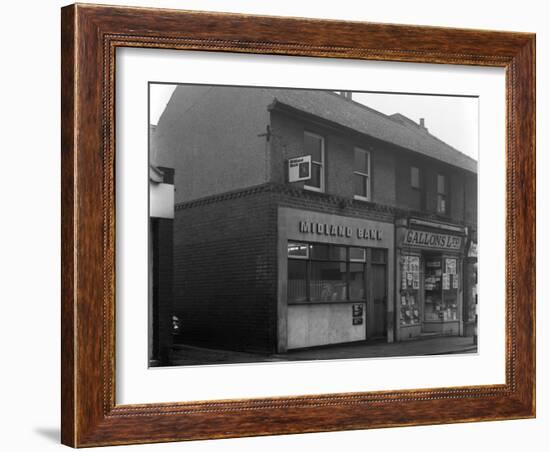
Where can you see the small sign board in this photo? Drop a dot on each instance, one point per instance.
(299, 168)
(161, 200)
(450, 265)
(357, 314)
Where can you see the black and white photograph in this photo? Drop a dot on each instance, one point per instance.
(242, 226)
(292, 224)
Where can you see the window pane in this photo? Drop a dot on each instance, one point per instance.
(361, 161)
(360, 182)
(296, 280)
(378, 256)
(313, 145)
(297, 250)
(415, 177)
(357, 254)
(433, 306)
(337, 253)
(328, 281)
(441, 204)
(441, 184)
(470, 300)
(315, 180)
(319, 252)
(328, 252)
(357, 281)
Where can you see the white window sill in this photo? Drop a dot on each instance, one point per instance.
(361, 198)
(318, 190)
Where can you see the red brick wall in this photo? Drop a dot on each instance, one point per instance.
(213, 131)
(407, 196)
(470, 186)
(461, 188)
(288, 142)
(225, 272)
(390, 169)
(309, 200)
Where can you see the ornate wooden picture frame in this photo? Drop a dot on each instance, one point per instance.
(90, 37)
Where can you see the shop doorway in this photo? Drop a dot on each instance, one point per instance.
(442, 277)
(377, 328)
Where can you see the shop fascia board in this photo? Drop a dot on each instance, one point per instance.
(436, 225)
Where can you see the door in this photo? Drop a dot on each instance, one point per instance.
(379, 300)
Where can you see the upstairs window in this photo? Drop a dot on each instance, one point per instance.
(415, 177)
(441, 194)
(361, 174)
(314, 145)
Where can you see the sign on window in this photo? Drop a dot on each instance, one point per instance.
(299, 168)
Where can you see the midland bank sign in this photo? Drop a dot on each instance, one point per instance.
(339, 230)
(311, 226)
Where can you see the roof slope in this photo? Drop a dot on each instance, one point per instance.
(335, 108)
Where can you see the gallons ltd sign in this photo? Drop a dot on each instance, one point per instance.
(426, 239)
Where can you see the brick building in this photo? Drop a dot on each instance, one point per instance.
(160, 249)
(374, 244)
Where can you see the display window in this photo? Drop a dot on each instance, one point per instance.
(470, 299)
(410, 290)
(328, 273)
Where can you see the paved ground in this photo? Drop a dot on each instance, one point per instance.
(191, 355)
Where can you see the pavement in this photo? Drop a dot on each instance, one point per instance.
(183, 354)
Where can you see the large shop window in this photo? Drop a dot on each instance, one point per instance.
(327, 273)
(410, 288)
(314, 145)
(441, 281)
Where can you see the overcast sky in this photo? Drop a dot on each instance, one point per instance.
(451, 119)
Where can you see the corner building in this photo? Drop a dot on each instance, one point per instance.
(371, 247)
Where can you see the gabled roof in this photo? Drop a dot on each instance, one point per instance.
(396, 129)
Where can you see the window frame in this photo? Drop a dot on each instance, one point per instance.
(415, 187)
(347, 261)
(356, 260)
(320, 189)
(367, 175)
(441, 195)
(307, 245)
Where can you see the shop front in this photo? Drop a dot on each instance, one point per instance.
(470, 287)
(429, 278)
(334, 275)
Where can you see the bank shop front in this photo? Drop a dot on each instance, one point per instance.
(334, 283)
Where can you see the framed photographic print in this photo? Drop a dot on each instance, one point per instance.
(282, 225)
